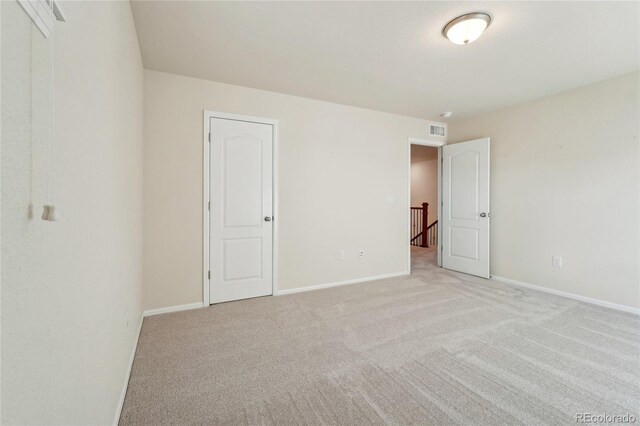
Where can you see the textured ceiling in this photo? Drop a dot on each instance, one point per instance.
(391, 56)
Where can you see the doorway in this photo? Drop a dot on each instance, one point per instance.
(454, 234)
(424, 197)
(240, 210)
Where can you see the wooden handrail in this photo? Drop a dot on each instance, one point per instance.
(432, 233)
(435, 222)
(421, 235)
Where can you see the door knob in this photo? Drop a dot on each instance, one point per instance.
(483, 215)
(267, 218)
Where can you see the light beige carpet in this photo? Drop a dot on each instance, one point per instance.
(433, 348)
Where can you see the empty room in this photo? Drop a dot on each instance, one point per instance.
(319, 213)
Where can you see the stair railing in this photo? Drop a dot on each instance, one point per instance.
(421, 236)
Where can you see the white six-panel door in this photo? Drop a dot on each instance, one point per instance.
(240, 219)
(465, 207)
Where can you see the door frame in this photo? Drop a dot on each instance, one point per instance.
(206, 168)
(438, 145)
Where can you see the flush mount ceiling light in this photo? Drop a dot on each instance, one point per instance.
(447, 114)
(466, 28)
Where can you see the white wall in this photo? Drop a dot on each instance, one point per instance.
(337, 166)
(424, 178)
(565, 180)
(69, 286)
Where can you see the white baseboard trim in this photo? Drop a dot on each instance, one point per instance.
(568, 295)
(176, 308)
(125, 385)
(339, 283)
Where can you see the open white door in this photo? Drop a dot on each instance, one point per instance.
(240, 221)
(465, 207)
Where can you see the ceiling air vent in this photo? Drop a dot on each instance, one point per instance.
(435, 130)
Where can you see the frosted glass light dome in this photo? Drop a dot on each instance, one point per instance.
(466, 28)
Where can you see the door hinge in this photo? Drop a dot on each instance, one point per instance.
(209, 206)
(209, 136)
(208, 275)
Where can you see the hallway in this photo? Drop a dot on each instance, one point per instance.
(423, 259)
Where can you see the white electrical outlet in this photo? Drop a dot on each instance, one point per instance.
(360, 253)
(556, 262)
(341, 254)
